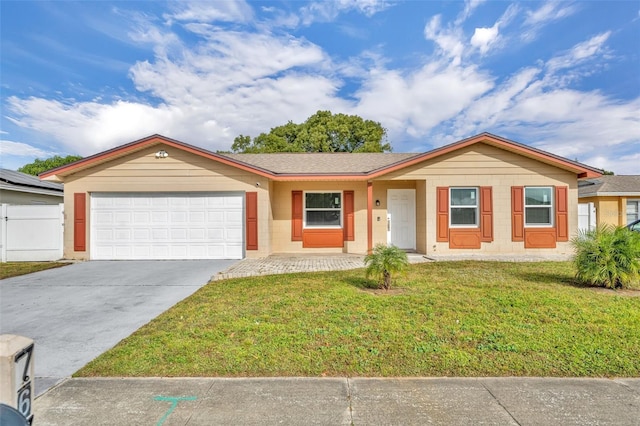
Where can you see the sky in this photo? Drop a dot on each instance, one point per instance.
(82, 77)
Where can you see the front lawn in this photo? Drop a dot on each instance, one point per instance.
(449, 319)
(14, 269)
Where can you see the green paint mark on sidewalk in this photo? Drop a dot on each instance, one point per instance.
(174, 403)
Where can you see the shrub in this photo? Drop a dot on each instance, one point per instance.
(384, 261)
(607, 256)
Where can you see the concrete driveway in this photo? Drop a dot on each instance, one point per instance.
(77, 312)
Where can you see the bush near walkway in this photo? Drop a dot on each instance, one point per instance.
(607, 257)
(446, 319)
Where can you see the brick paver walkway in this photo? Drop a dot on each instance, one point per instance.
(289, 263)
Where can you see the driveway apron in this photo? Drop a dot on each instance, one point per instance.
(77, 312)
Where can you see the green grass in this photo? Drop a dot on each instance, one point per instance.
(451, 319)
(14, 269)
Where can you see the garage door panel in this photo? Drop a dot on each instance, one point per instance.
(121, 234)
(167, 226)
(196, 217)
(141, 217)
(159, 217)
(141, 234)
(178, 217)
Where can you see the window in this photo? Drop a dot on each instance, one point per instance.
(322, 209)
(538, 206)
(633, 210)
(463, 207)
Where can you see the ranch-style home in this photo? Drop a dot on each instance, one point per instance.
(158, 198)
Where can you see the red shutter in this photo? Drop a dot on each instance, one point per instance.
(442, 223)
(80, 221)
(517, 213)
(486, 214)
(562, 214)
(296, 215)
(252, 220)
(349, 234)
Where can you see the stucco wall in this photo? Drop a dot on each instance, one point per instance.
(485, 165)
(610, 210)
(181, 171)
(282, 208)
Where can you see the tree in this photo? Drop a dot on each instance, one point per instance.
(322, 132)
(385, 261)
(38, 166)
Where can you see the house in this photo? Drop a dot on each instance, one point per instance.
(21, 188)
(615, 200)
(158, 198)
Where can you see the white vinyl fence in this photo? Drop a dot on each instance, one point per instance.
(586, 216)
(31, 232)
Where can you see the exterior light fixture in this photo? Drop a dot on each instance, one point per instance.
(162, 154)
(377, 203)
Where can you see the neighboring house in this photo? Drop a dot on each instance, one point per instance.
(615, 199)
(21, 188)
(158, 198)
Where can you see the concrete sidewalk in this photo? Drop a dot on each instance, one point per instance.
(340, 401)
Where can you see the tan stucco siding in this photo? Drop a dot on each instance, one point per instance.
(484, 165)
(609, 210)
(476, 160)
(282, 209)
(180, 172)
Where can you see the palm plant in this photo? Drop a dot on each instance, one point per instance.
(607, 256)
(384, 261)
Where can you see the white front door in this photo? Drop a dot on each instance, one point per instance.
(401, 218)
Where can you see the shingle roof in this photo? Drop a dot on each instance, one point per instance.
(23, 179)
(320, 163)
(610, 185)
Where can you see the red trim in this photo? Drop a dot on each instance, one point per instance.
(460, 238)
(80, 221)
(517, 213)
(580, 169)
(442, 221)
(252, 220)
(562, 213)
(369, 217)
(296, 215)
(540, 238)
(349, 222)
(144, 143)
(322, 238)
(486, 214)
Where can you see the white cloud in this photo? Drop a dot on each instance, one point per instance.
(20, 149)
(469, 7)
(232, 82)
(449, 40)
(211, 11)
(483, 38)
(580, 52)
(550, 11)
(327, 11)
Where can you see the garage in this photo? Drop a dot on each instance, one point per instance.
(194, 225)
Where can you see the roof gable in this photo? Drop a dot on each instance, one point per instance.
(291, 166)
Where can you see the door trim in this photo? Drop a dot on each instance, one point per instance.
(411, 220)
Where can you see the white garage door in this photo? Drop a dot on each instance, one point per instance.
(166, 226)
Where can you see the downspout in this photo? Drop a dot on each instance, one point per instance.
(369, 217)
